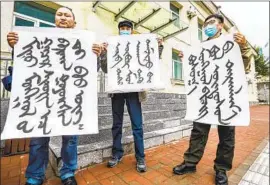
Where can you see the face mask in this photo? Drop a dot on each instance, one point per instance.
(210, 30)
(125, 32)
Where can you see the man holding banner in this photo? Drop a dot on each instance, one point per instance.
(39, 147)
(212, 27)
(133, 101)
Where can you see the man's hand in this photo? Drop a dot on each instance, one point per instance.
(104, 47)
(96, 48)
(181, 54)
(160, 41)
(240, 39)
(12, 38)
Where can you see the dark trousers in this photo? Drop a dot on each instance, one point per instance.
(198, 140)
(135, 113)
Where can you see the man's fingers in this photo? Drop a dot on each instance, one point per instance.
(12, 32)
(10, 39)
(239, 36)
(96, 49)
(12, 36)
(96, 46)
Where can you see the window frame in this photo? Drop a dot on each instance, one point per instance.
(200, 30)
(181, 64)
(31, 19)
(177, 22)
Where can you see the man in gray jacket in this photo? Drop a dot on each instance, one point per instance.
(133, 102)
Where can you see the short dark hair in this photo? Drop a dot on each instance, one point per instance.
(125, 23)
(69, 10)
(217, 16)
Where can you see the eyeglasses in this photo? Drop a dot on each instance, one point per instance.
(209, 22)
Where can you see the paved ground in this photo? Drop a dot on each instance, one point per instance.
(250, 141)
(258, 173)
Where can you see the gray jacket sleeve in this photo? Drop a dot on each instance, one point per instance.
(160, 50)
(102, 60)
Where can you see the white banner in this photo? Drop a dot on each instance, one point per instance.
(133, 64)
(54, 87)
(216, 84)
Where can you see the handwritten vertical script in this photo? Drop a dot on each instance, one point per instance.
(133, 61)
(54, 85)
(211, 83)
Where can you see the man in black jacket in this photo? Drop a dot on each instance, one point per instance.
(213, 25)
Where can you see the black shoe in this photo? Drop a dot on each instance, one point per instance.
(141, 166)
(69, 181)
(113, 162)
(183, 169)
(221, 178)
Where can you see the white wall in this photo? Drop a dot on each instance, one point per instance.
(6, 25)
(102, 23)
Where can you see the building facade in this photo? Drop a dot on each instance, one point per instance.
(178, 23)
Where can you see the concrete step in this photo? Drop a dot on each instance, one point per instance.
(106, 119)
(106, 134)
(156, 95)
(152, 99)
(107, 109)
(98, 152)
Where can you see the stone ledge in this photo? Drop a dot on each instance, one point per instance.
(100, 151)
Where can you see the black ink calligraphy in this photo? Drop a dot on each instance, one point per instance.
(117, 56)
(119, 78)
(27, 53)
(229, 78)
(43, 124)
(61, 51)
(30, 92)
(149, 63)
(64, 107)
(81, 72)
(140, 78)
(78, 108)
(78, 50)
(46, 89)
(45, 53)
(127, 56)
(192, 59)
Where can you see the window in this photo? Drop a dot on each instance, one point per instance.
(176, 66)
(200, 31)
(175, 14)
(32, 15)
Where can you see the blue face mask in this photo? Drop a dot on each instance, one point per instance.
(125, 32)
(210, 30)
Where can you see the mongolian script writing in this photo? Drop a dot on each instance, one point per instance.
(133, 61)
(52, 81)
(211, 84)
